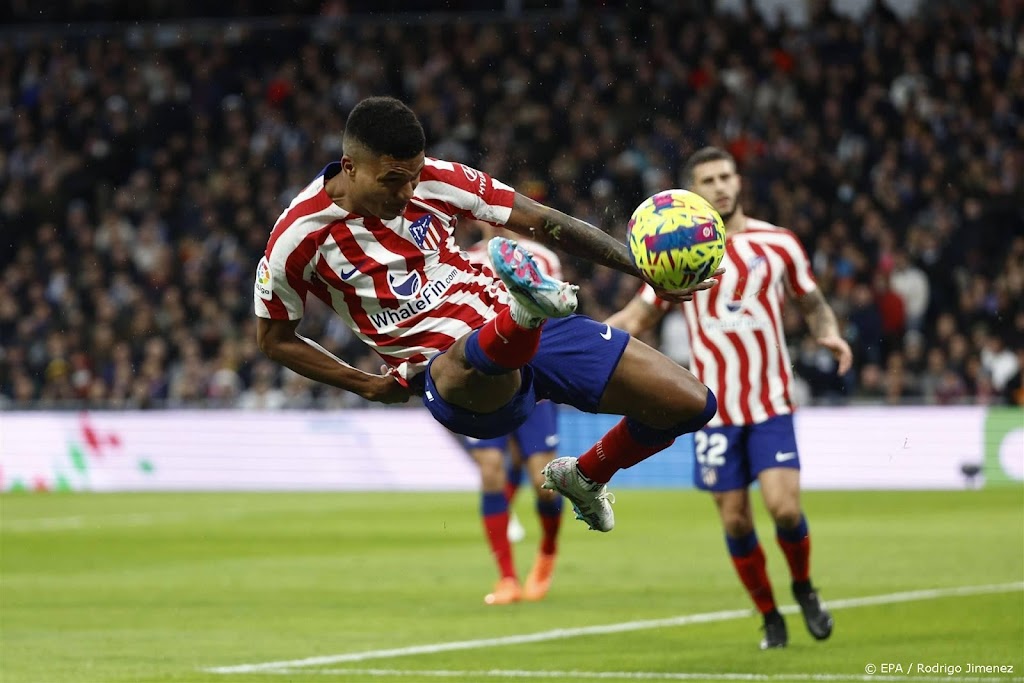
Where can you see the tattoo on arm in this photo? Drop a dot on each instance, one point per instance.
(586, 241)
(818, 314)
(552, 229)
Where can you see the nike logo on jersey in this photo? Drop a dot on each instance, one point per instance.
(347, 274)
(607, 334)
(783, 457)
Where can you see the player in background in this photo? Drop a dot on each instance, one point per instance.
(739, 351)
(502, 460)
(373, 237)
(533, 444)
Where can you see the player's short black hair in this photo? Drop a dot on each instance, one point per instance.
(702, 156)
(385, 125)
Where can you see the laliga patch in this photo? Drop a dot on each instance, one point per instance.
(705, 232)
(264, 280)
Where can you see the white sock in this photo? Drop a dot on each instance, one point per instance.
(522, 316)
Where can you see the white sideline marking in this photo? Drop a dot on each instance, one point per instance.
(117, 520)
(561, 633)
(643, 675)
(83, 521)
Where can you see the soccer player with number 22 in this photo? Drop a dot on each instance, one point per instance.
(739, 351)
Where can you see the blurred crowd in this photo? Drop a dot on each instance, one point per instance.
(141, 171)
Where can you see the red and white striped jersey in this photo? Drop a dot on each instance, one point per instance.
(403, 286)
(546, 259)
(739, 348)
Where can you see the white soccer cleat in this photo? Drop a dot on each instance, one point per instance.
(541, 296)
(516, 532)
(591, 501)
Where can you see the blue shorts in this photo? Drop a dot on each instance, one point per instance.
(730, 458)
(576, 358)
(539, 434)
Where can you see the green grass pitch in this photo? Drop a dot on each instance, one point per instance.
(171, 587)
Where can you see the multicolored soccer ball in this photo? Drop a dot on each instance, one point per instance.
(676, 239)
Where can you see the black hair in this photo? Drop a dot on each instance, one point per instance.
(702, 156)
(385, 125)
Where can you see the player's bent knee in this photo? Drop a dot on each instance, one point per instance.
(653, 436)
(737, 527)
(492, 468)
(704, 416)
(786, 516)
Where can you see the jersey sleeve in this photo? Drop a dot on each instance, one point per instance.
(467, 191)
(279, 294)
(649, 296)
(799, 273)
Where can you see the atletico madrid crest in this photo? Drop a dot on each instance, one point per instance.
(425, 233)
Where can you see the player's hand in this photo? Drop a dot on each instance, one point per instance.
(678, 296)
(840, 350)
(387, 388)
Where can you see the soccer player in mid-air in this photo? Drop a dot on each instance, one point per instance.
(739, 350)
(502, 459)
(372, 237)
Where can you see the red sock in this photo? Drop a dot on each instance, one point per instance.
(798, 555)
(507, 344)
(614, 451)
(550, 525)
(753, 574)
(496, 527)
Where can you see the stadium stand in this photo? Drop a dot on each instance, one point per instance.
(143, 164)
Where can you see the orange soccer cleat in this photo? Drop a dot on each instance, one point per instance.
(506, 591)
(539, 580)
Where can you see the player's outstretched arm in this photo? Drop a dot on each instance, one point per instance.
(637, 317)
(279, 341)
(823, 325)
(571, 235)
(579, 238)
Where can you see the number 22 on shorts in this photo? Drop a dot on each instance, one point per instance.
(710, 448)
